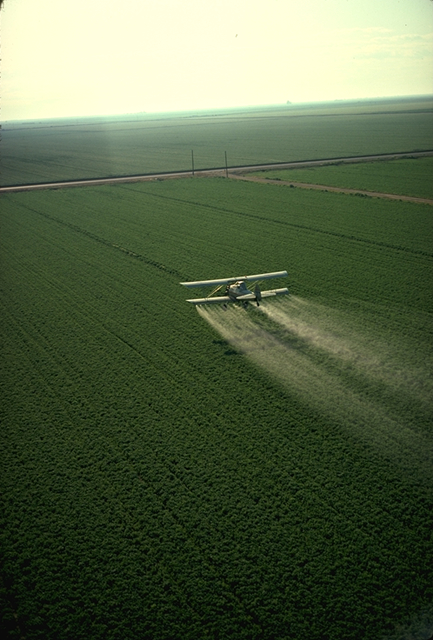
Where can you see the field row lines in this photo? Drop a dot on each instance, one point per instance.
(76, 422)
(292, 224)
(97, 238)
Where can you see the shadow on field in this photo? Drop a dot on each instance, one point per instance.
(341, 366)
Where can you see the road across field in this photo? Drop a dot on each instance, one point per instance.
(323, 187)
(236, 172)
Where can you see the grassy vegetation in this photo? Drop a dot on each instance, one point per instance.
(260, 474)
(60, 150)
(410, 177)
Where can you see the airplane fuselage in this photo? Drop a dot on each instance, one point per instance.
(237, 289)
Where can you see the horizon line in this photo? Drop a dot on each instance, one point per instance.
(287, 104)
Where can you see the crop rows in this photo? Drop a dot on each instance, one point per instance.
(159, 482)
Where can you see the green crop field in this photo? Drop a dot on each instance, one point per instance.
(174, 473)
(410, 177)
(151, 143)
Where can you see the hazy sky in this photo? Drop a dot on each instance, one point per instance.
(84, 57)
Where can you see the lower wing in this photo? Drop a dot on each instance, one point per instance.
(215, 300)
(248, 296)
(264, 294)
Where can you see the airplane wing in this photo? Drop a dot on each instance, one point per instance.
(264, 294)
(210, 283)
(248, 296)
(214, 300)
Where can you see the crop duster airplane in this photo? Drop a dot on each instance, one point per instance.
(236, 290)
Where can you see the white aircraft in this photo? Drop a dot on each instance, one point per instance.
(236, 290)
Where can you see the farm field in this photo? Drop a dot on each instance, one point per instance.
(409, 177)
(174, 473)
(49, 151)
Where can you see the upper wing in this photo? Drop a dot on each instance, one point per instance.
(259, 276)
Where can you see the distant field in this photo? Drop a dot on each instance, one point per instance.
(411, 177)
(257, 474)
(67, 149)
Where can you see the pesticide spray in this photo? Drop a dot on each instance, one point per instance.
(342, 368)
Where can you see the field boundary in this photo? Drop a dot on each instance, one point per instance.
(216, 171)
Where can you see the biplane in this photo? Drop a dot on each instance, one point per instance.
(236, 289)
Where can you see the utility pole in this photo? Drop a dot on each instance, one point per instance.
(227, 171)
(192, 161)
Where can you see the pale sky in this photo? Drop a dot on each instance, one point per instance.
(65, 58)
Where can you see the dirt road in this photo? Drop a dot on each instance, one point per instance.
(238, 173)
